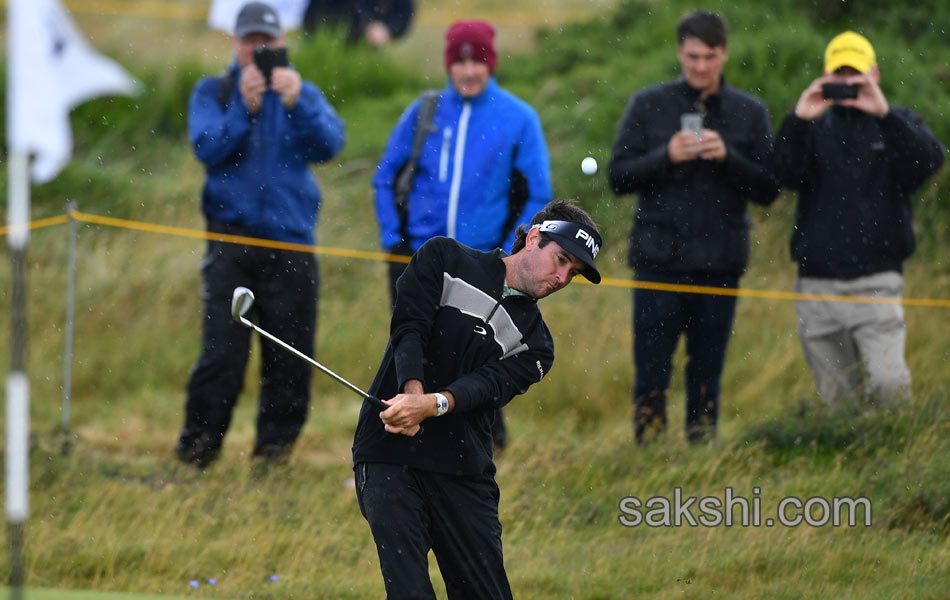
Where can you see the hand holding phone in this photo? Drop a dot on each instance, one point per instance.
(693, 123)
(266, 58)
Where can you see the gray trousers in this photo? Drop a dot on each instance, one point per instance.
(855, 350)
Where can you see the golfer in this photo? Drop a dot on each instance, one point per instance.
(466, 337)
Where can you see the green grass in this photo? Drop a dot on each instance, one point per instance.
(58, 594)
(118, 514)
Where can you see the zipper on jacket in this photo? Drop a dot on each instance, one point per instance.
(457, 169)
(444, 156)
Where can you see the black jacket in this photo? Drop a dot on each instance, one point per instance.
(355, 15)
(692, 217)
(452, 330)
(855, 173)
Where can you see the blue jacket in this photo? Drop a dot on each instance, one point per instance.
(483, 170)
(257, 165)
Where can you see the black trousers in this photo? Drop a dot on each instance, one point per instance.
(411, 511)
(659, 318)
(285, 284)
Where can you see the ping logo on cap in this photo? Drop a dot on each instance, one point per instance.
(583, 243)
(588, 241)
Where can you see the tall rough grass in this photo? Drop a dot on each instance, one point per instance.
(117, 513)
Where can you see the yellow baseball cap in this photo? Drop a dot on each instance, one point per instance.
(849, 49)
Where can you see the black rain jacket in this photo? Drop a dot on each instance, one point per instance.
(691, 217)
(855, 174)
(452, 330)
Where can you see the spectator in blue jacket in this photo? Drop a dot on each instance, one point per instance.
(483, 167)
(256, 136)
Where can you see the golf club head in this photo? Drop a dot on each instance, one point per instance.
(241, 302)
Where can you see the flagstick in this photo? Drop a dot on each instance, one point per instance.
(17, 386)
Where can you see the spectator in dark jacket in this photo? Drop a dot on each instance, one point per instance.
(376, 21)
(695, 150)
(855, 163)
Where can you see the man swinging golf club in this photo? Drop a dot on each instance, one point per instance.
(466, 337)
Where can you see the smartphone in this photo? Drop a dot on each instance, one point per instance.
(266, 58)
(838, 91)
(692, 122)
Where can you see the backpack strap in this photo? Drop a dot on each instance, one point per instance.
(428, 101)
(225, 86)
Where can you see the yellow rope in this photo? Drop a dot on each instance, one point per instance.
(383, 256)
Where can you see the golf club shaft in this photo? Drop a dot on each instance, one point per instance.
(373, 400)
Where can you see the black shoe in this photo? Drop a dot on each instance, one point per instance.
(701, 432)
(197, 453)
(274, 453)
(649, 417)
(269, 458)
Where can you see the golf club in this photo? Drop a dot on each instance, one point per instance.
(241, 302)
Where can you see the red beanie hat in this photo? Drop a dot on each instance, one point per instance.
(470, 39)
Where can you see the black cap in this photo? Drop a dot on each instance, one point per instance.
(257, 17)
(581, 241)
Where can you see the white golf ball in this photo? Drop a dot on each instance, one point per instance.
(589, 165)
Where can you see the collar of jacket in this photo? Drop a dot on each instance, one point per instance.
(702, 106)
(452, 94)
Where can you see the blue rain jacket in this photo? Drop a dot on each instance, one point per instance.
(483, 170)
(258, 173)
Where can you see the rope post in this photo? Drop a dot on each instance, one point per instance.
(71, 207)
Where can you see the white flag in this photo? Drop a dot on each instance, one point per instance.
(223, 13)
(51, 70)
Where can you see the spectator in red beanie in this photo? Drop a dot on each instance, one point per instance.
(481, 168)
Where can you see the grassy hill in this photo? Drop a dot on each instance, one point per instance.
(118, 514)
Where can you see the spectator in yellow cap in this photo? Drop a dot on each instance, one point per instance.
(855, 161)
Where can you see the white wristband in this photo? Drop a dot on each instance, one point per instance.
(441, 404)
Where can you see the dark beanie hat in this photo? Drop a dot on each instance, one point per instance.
(470, 39)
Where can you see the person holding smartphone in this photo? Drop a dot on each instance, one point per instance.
(256, 136)
(695, 151)
(855, 161)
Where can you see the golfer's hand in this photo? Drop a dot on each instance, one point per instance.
(406, 411)
(684, 146)
(870, 97)
(811, 104)
(712, 147)
(252, 85)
